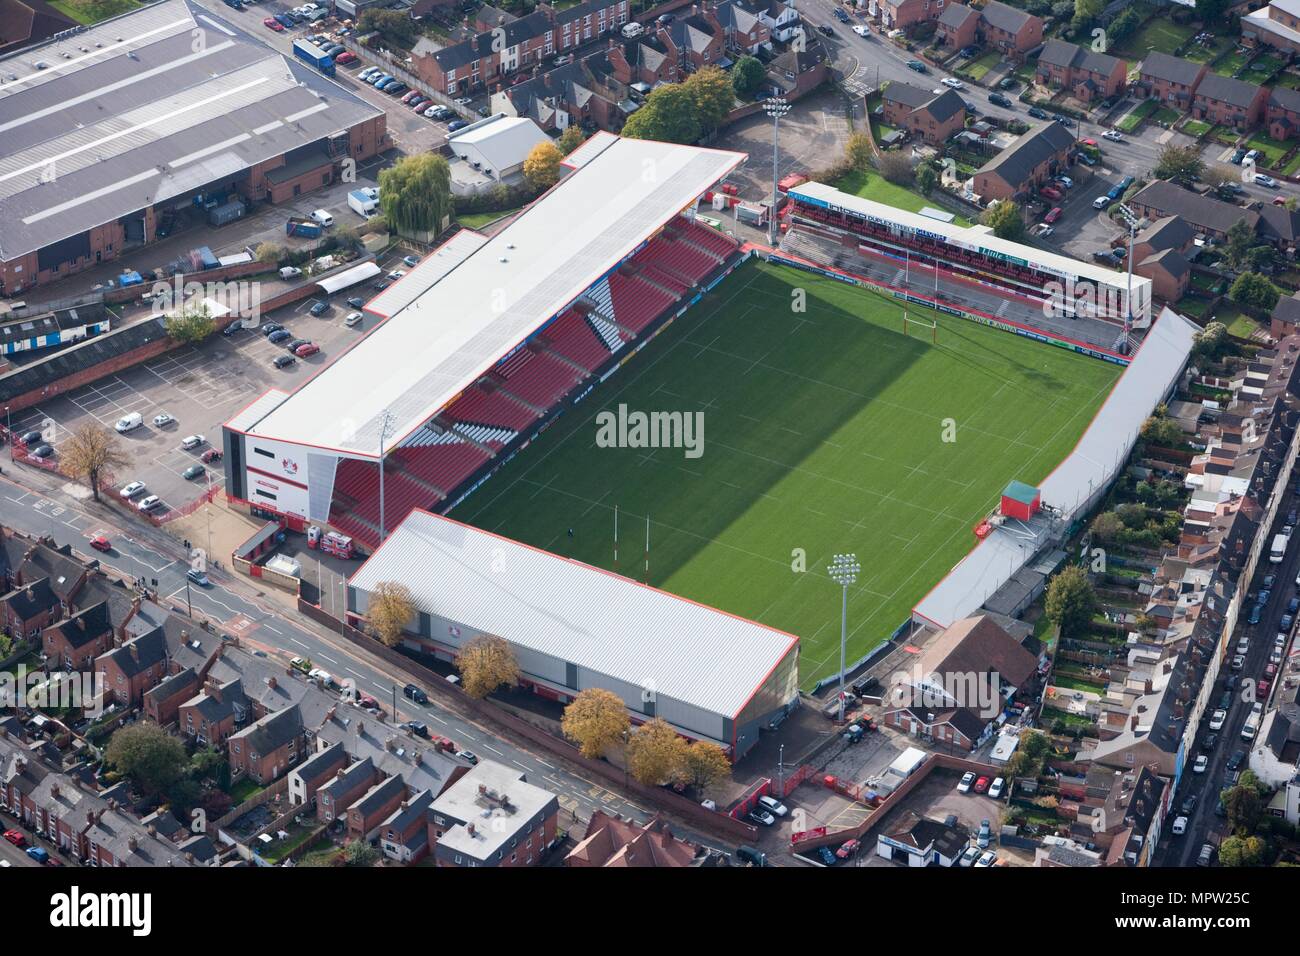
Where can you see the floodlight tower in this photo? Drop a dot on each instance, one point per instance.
(844, 572)
(385, 422)
(775, 108)
(1132, 221)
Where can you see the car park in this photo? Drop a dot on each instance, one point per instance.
(283, 361)
(192, 441)
(966, 782)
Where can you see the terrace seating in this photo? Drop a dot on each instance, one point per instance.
(637, 303)
(489, 408)
(445, 465)
(515, 362)
(659, 276)
(541, 380)
(720, 245)
(572, 337)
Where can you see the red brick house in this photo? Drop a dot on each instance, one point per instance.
(1026, 164)
(25, 562)
(931, 117)
(645, 60)
(1085, 74)
(374, 807)
(348, 786)
(1159, 255)
(958, 27)
(492, 816)
(29, 609)
(314, 772)
(901, 14)
(267, 748)
(132, 668)
(404, 836)
(76, 641)
(613, 842)
(211, 716)
(1276, 24)
(1009, 31)
(1170, 79)
(1283, 113)
(697, 39)
(1229, 102)
(743, 28)
(162, 702)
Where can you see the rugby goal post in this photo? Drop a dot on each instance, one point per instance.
(933, 327)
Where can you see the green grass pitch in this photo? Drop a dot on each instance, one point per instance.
(823, 432)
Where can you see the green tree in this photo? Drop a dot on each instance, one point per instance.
(926, 179)
(415, 193)
(1086, 12)
(360, 853)
(1210, 340)
(668, 115)
(191, 325)
(747, 75)
(1237, 243)
(1241, 851)
(714, 97)
(1243, 805)
(1107, 526)
(1071, 600)
(1160, 429)
(1005, 221)
(896, 168)
(394, 26)
(150, 757)
(1254, 291)
(1179, 163)
(1211, 11)
(858, 152)
(570, 139)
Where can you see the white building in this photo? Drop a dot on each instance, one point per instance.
(496, 146)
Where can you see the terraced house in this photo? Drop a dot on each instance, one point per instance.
(1228, 102)
(1008, 31)
(1026, 164)
(1170, 79)
(1283, 113)
(1087, 75)
(1276, 25)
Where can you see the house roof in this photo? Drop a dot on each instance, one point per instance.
(1202, 211)
(1015, 163)
(139, 654)
(1004, 17)
(514, 32)
(956, 15)
(1168, 232)
(31, 599)
(1225, 89)
(1278, 222)
(1171, 69)
(85, 626)
(613, 842)
(1283, 97)
(1060, 53)
(1288, 309)
(352, 779)
(977, 645)
(1171, 260)
(411, 810)
(491, 803)
(272, 732)
(504, 141)
(378, 795)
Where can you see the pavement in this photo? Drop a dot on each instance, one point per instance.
(43, 505)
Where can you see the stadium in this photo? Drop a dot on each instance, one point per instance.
(879, 412)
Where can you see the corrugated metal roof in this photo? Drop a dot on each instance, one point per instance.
(430, 270)
(577, 613)
(455, 330)
(145, 107)
(259, 407)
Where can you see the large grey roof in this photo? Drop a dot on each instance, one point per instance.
(1172, 69)
(1060, 53)
(1004, 17)
(128, 114)
(1225, 89)
(573, 612)
(1202, 211)
(1016, 162)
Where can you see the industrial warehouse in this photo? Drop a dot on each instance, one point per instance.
(112, 130)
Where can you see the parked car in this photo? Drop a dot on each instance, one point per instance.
(148, 503)
(970, 856)
(825, 854)
(1210, 742)
(1238, 156)
(42, 452)
(456, 124)
(39, 854)
(411, 692)
(16, 837)
(953, 83)
(1206, 856)
(283, 361)
(319, 309)
(1202, 764)
(1189, 804)
(984, 836)
(273, 23)
(209, 456)
(1217, 719)
(162, 419)
(861, 30)
(192, 441)
(848, 850)
(966, 782)
(294, 344)
(1008, 83)
(1053, 215)
(773, 805)
(283, 335)
(1051, 192)
(998, 786)
(1236, 759)
(353, 318)
(306, 349)
(416, 727)
(982, 785)
(760, 816)
(194, 471)
(998, 99)
(1268, 182)
(1113, 135)
(840, 15)
(970, 51)
(131, 489)
(1180, 826)
(270, 328)
(29, 438)
(987, 859)
(1037, 112)
(918, 66)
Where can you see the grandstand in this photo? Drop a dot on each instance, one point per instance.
(971, 254)
(485, 340)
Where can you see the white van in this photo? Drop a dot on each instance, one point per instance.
(322, 217)
(290, 272)
(129, 423)
(633, 29)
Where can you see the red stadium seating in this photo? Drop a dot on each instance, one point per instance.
(489, 408)
(711, 239)
(573, 337)
(541, 380)
(444, 466)
(636, 303)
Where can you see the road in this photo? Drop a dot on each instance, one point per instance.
(42, 508)
(1202, 822)
(872, 61)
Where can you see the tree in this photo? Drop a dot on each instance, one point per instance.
(1070, 600)
(391, 609)
(1237, 243)
(656, 754)
(191, 325)
(394, 26)
(1243, 806)
(926, 179)
(1218, 175)
(595, 720)
(1123, 26)
(714, 97)
(1210, 340)
(747, 75)
(1004, 219)
(91, 450)
(859, 152)
(1211, 11)
(570, 139)
(485, 664)
(1086, 12)
(1241, 851)
(542, 167)
(268, 253)
(150, 757)
(1107, 526)
(360, 853)
(897, 168)
(1179, 163)
(705, 766)
(415, 193)
(668, 115)
(1254, 291)
(1161, 430)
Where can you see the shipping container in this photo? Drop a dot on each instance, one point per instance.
(228, 213)
(303, 227)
